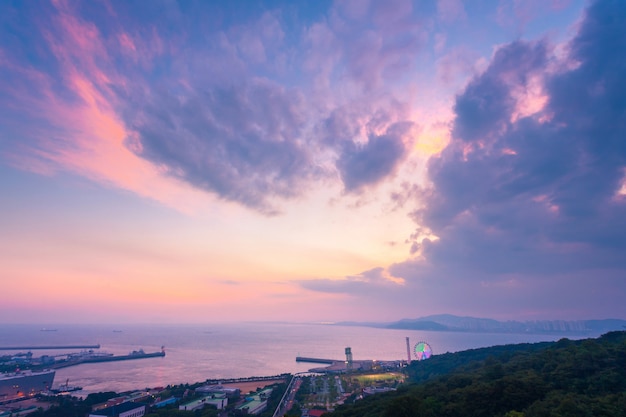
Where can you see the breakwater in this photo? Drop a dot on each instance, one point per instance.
(316, 360)
(95, 359)
(55, 347)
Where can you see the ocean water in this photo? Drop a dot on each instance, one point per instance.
(195, 353)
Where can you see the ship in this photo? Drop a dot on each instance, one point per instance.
(66, 388)
(22, 384)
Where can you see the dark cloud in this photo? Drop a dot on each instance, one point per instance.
(243, 142)
(527, 208)
(486, 104)
(537, 194)
(370, 162)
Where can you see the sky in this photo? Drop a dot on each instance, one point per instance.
(312, 161)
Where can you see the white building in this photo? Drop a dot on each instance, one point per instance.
(219, 401)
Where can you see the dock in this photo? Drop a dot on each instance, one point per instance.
(96, 359)
(316, 360)
(50, 347)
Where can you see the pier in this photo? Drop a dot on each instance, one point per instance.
(140, 354)
(316, 360)
(49, 347)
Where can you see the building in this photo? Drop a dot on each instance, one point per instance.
(218, 400)
(376, 390)
(163, 403)
(256, 403)
(128, 409)
(109, 403)
(219, 389)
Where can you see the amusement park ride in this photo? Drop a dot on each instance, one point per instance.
(421, 350)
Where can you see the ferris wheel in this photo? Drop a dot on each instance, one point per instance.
(422, 350)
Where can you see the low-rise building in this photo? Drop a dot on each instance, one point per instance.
(256, 403)
(218, 400)
(219, 389)
(128, 409)
(377, 390)
(165, 402)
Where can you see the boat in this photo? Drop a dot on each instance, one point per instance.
(22, 384)
(66, 388)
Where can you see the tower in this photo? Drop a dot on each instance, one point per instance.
(408, 351)
(348, 359)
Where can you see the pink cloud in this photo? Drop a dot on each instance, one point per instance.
(84, 134)
(126, 42)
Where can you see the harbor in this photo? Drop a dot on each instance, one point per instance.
(50, 347)
(64, 360)
(95, 357)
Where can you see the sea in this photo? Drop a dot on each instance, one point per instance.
(195, 353)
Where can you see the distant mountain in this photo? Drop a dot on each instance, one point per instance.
(449, 322)
(417, 324)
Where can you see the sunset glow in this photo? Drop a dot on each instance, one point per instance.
(316, 161)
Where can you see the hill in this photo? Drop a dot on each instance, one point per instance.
(565, 378)
(449, 322)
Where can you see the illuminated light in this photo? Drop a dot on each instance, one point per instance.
(422, 351)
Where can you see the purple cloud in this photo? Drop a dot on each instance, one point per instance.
(241, 142)
(253, 139)
(527, 205)
(360, 284)
(537, 195)
(369, 163)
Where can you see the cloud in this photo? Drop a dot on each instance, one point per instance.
(221, 109)
(361, 284)
(369, 163)
(456, 64)
(243, 142)
(63, 116)
(536, 194)
(526, 202)
(451, 11)
(365, 47)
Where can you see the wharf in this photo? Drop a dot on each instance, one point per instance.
(49, 347)
(95, 359)
(316, 360)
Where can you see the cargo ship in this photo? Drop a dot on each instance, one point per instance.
(21, 384)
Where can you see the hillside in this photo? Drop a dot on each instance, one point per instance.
(564, 378)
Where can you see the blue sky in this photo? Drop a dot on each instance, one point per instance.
(314, 161)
